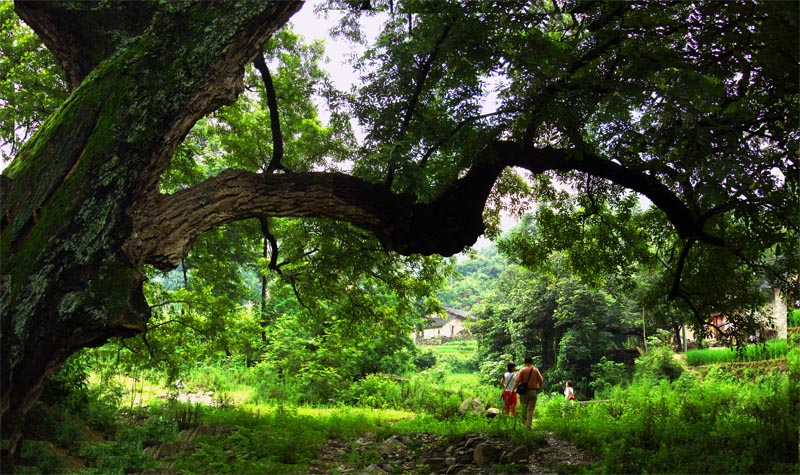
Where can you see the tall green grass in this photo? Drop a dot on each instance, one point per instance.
(663, 422)
(770, 350)
(719, 424)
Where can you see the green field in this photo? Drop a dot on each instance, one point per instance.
(770, 350)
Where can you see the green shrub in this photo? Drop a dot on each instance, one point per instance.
(125, 454)
(458, 363)
(38, 454)
(605, 375)
(269, 385)
(376, 391)
(425, 360)
(657, 364)
(491, 369)
(279, 442)
(793, 337)
(218, 376)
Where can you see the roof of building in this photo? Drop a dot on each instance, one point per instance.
(435, 320)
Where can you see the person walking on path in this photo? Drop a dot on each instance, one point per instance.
(528, 384)
(509, 396)
(569, 393)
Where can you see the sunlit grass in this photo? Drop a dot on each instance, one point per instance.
(459, 380)
(465, 347)
(333, 412)
(771, 350)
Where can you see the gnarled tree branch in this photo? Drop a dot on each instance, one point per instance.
(165, 228)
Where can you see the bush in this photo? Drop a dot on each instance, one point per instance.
(376, 391)
(270, 385)
(605, 375)
(426, 359)
(459, 363)
(220, 376)
(657, 364)
(492, 368)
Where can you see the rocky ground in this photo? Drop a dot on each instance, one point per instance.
(423, 454)
(432, 454)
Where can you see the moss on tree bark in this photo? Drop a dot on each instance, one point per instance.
(67, 283)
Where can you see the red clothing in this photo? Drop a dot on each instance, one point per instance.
(510, 400)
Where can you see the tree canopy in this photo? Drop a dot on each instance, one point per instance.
(693, 106)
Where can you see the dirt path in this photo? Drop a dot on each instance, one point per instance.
(427, 454)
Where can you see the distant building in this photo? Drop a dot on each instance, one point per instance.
(773, 318)
(446, 325)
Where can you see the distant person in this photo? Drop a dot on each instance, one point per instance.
(509, 396)
(528, 384)
(569, 393)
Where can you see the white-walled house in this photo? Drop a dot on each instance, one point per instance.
(448, 324)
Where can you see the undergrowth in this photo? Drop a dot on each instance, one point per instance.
(714, 424)
(667, 420)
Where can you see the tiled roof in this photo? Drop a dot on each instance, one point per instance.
(435, 321)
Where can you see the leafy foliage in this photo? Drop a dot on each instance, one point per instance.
(472, 279)
(31, 85)
(569, 325)
(700, 98)
(794, 318)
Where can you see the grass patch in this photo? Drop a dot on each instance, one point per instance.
(456, 347)
(770, 350)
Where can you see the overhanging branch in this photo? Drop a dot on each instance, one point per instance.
(165, 227)
(540, 160)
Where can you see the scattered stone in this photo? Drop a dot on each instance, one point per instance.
(458, 468)
(187, 435)
(473, 441)
(487, 454)
(431, 454)
(471, 405)
(374, 470)
(517, 455)
(396, 442)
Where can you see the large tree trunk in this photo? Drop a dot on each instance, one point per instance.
(66, 283)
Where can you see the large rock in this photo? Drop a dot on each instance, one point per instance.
(487, 454)
(394, 443)
(471, 405)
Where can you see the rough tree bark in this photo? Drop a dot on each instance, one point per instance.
(81, 208)
(141, 79)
